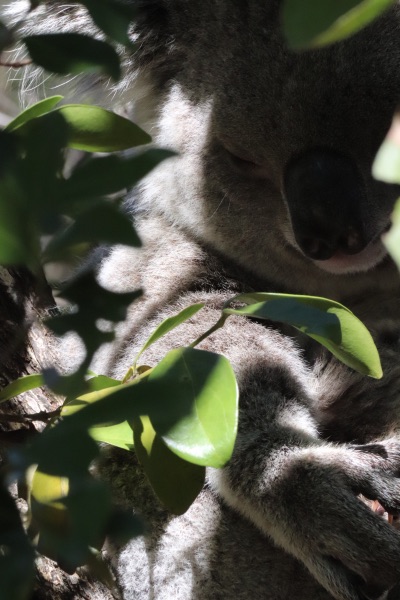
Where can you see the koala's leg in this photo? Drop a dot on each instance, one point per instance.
(292, 485)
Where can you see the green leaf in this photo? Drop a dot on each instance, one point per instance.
(93, 129)
(103, 222)
(96, 129)
(309, 23)
(67, 530)
(34, 111)
(122, 526)
(57, 453)
(392, 238)
(176, 482)
(111, 174)
(17, 555)
(328, 322)
(119, 434)
(18, 235)
(204, 386)
(44, 142)
(114, 18)
(21, 385)
(169, 324)
(386, 165)
(66, 53)
(49, 488)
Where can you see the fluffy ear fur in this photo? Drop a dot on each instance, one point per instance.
(272, 190)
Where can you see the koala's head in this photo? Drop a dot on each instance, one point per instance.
(277, 146)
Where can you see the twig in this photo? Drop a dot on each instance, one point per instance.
(16, 64)
(40, 416)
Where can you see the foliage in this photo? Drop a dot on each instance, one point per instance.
(387, 168)
(310, 23)
(180, 415)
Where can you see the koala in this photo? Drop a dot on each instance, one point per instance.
(271, 190)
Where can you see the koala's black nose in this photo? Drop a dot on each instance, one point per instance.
(326, 197)
(322, 249)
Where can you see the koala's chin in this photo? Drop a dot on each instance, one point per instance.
(342, 264)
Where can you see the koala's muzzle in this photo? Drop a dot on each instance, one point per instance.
(326, 198)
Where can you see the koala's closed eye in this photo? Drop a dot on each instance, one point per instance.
(245, 160)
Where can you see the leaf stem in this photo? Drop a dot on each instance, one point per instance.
(220, 323)
(40, 416)
(15, 64)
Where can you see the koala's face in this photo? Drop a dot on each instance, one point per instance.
(277, 147)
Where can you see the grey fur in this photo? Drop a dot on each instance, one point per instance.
(282, 520)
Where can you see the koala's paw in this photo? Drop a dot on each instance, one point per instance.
(351, 551)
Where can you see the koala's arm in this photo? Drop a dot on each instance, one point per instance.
(293, 486)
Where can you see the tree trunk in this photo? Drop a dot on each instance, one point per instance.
(25, 346)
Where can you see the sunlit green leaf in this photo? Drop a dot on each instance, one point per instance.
(48, 488)
(176, 482)
(309, 23)
(386, 165)
(328, 322)
(66, 53)
(392, 238)
(96, 129)
(119, 434)
(20, 385)
(34, 111)
(204, 382)
(169, 324)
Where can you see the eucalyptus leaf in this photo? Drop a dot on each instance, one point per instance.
(21, 385)
(111, 174)
(328, 322)
(49, 488)
(114, 18)
(95, 129)
(169, 324)
(18, 235)
(392, 238)
(204, 386)
(103, 222)
(309, 23)
(17, 555)
(57, 453)
(176, 482)
(68, 531)
(118, 434)
(32, 112)
(386, 165)
(71, 53)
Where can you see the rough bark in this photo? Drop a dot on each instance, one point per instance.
(26, 345)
